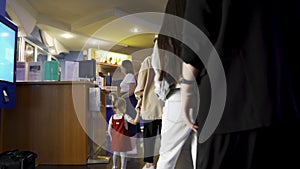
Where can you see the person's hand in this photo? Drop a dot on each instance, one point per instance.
(138, 109)
(138, 106)
(189, 109)
(194, 127)
(190, 121)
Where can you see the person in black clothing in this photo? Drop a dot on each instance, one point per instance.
(178, 143)
(255, 40)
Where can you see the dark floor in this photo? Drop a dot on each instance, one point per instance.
(133, 162)
(184, 161)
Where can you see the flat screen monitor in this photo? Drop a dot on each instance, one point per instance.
(8, 50)
(8, 53)
(87, 69)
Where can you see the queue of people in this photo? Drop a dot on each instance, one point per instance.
(260, 118)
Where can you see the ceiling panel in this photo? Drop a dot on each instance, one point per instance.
(86, 18)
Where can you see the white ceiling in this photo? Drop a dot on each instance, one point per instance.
(93, 23)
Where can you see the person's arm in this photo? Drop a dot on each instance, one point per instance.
(139, 105)
(189, 99)
(131, 88)
(109, 130)
(136, 119)
(142, 82)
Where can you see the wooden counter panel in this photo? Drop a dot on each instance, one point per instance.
(45, 121)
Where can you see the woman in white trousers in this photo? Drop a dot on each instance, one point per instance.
(175, 133)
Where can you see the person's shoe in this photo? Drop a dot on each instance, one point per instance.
(151, 167)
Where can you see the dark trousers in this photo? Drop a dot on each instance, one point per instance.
(130, 110)
(151, 130)
(267, 147)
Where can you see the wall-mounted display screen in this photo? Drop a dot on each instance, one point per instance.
(8, 53)
(8, 50)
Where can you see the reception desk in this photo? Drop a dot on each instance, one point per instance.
(51, 119)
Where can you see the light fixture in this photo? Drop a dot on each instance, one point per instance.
(135, 30)
(52, 50)
(67, 35)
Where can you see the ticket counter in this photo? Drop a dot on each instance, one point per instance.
(50, 119)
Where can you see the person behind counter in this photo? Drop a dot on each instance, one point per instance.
(127, 87)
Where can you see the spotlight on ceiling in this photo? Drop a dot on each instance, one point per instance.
(67, 35)
(135, 30)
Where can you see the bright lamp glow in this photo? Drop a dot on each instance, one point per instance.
(67, 36)
(135, 30)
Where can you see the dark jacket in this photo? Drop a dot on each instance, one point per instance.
(257, 41)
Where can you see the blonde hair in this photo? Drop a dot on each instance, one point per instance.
(118, 103)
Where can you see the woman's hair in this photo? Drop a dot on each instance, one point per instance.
(117, 102)
(127, 64)
(168, 43)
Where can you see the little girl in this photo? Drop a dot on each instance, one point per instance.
(118, 130)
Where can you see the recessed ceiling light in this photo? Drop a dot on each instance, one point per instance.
(52, 51)
(135, 30)
(67, 36)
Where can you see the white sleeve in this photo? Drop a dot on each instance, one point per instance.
(130, 78)
(155, 61)
(127, 117)
(110, 120)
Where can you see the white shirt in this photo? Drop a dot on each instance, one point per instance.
(124, 85)
(127, 118)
